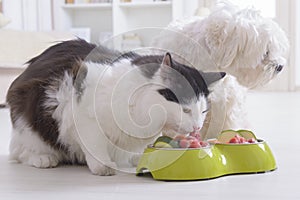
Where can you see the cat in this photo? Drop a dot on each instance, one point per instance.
(79, 103)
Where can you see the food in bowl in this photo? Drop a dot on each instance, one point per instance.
(192, 140)
(236, 137)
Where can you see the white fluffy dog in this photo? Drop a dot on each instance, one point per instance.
(251, 49)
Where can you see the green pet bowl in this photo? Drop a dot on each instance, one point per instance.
(206, 163)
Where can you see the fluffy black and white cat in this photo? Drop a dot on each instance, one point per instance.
(78, 103)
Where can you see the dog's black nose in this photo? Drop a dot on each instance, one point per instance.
(278, 68)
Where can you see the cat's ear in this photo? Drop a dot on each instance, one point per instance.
(167, 60)
(211, 77)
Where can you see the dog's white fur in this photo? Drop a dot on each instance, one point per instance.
(248, 47)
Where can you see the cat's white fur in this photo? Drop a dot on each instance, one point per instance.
(118, 114)
(28, 148)
(242, 43)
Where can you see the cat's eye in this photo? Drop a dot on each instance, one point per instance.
(205, 111)
(187, 110)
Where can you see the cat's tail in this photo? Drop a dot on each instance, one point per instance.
(3, 105)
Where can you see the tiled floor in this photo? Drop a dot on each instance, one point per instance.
(274, 116)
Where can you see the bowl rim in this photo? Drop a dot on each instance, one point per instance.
(259, 141)
(150, 146)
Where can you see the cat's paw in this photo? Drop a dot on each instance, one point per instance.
(42, 161)
(102, 170)
(104, 167)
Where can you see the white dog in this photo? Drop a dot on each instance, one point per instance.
(251, 49)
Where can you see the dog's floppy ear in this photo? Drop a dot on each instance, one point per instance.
(217, 37)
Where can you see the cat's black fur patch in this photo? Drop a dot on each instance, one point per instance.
(168, 94)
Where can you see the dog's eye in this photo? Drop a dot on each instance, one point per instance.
(187, 110)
